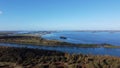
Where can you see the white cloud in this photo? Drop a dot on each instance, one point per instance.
(1, 12)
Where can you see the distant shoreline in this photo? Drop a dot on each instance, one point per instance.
(59, 30)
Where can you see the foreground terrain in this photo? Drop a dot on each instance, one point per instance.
(11, 57)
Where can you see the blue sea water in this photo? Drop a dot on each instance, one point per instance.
(71, 50)
(86, 37)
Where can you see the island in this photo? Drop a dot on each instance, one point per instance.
(62, 37)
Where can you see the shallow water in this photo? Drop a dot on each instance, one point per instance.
(86, 37)
(71, 50)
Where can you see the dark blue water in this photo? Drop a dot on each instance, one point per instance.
(86, 37)
(72, 50)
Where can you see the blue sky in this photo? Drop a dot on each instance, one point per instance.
(59, 14)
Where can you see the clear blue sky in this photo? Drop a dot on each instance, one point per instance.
(59, 14)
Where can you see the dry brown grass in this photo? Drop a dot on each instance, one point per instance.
(35, 58)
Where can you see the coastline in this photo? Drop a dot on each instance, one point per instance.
(36, 40)
(24, 57)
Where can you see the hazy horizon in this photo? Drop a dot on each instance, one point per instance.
(37, 15)
(60, 30)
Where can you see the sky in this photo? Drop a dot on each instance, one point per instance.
(59, 14)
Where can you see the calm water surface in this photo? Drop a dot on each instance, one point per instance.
(86, 37)
(72, 50)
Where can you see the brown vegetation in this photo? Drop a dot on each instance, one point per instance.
(30, 40)
(34, 58)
